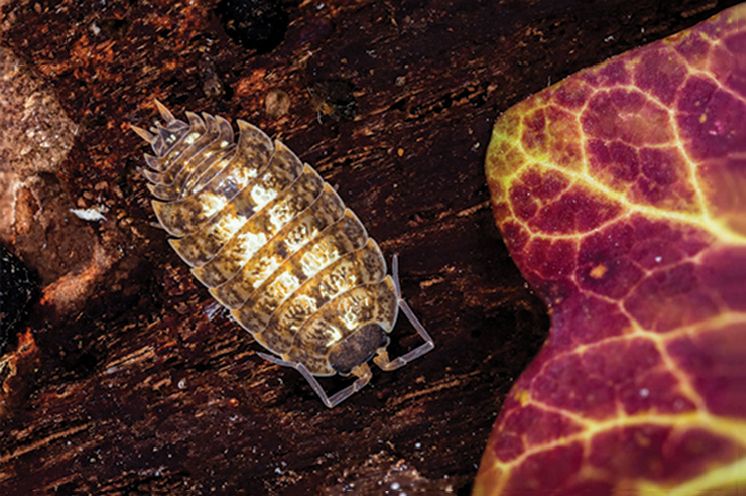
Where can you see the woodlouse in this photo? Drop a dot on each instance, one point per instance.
(276, 245)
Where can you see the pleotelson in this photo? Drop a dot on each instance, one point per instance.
(269, 237)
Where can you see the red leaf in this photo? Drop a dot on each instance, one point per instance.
(621, 194)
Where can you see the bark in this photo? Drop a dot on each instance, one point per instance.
(140, 383)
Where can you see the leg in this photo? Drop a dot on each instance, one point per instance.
(382, 359)
(362, 372)
(395, 274)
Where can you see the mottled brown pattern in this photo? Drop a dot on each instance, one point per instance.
(37, 134)
(150, 389)
(264, 275)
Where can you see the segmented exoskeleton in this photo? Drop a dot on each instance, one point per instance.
(276, 245)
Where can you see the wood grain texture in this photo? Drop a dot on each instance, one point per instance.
(147, 387)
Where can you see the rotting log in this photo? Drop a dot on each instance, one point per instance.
(140, 383)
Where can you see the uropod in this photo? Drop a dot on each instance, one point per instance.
(275, 244)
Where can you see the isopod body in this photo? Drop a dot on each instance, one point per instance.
(275, 244)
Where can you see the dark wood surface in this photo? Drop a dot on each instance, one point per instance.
(142, 385)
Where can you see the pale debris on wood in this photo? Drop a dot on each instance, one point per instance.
(93, 214)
